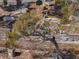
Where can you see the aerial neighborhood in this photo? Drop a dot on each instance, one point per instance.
(39, 29)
